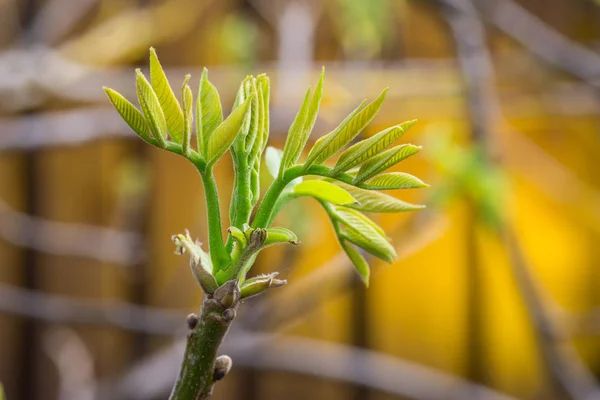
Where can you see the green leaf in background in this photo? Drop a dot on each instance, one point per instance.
(371, 201)
(365, 149)
(384, 161)
(280, 235)
(334, 141)
(187, 100)
(359, 262)
(393, 180)
(324, 191)
(130, 114)
(209, 113)
(364, 233)
(224, 135)
(166, 98)
(151, 108)
(295, 134)
(273, 158)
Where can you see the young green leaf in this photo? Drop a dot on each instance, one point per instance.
(130, 114)
(187, 99)
(224, 135)
(375, 245)
(361, 265)
(331, 143)
(254, 118)
(280, 235)
(151, 108)
(209, 113)
(323, 191)
(301, 129)
(364, 233)
(365, 149)
(166, 97)
(353, 217)
(384, 161)
(371, 201)
(393, 180)
(265, 91)
(295, 135)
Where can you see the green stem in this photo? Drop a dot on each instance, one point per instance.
(218, 254)
(241, 200)
(197, 373)
(267, 208)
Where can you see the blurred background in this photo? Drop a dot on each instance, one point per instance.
(495, 292)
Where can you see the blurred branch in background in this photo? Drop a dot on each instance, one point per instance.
(308, 357)
(543, 40)
(52, 24)
(59, 309)
(74, 363)
(568, 371)
(561, 357)
(69, 239)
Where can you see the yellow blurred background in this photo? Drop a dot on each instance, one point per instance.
(494, 294)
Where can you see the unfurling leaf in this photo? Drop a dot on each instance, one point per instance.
(130, 114)
(302, 127)
(323, 191)
(371, 201)
(393, 180)
(166, 97)
(364, 233)
(334, 141)
(224, 135)
(359, 262)
(254, 117)
(151, 108)
(365, 149)
(384, 161)
(209, 113)
(238, 235)
(199, 261)
(280, 235)
(295, 134)
(187, 99)
(259, 284)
